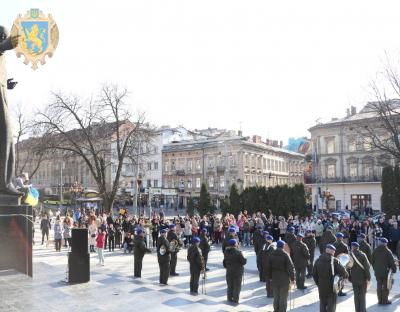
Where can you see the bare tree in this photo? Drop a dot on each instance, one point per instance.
(100, 131)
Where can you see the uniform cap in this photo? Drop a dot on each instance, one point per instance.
(339, 235)
(269, 237)
(139, 231)
(231, 230)
(172, 226)
(355, 244)
(280, 243)
(265, 232)
(291, 229)
(196, 240)
(308, 231)
(163, 231)
(259, 226)
(331, 247)
(384, 240)
(300, 235)
(329, 228)
(362, 235)
(232, 242)
(204, 231)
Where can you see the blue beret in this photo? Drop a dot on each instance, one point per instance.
(204, 230)
(265, 232)
(355, 244)
(290, 228)
(339, 235)
(163, 231)
(196, 240)
(269, 237)
(280, 243)
(308, 231)
(362, 235)
(172, 226)
(139, 231)
(231, 230)
(259, 226)
(232, 242)
(384, 240)
(331, 247)
(300, 235)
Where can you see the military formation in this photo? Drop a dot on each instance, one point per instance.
(282, 265)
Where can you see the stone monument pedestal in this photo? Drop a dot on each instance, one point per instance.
(16, 225)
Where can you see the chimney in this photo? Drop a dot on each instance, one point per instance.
(348, 112)
(240, 133)
(353, 110)
(256, 139)
(281, 144)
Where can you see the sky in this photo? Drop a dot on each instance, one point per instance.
(271, 68)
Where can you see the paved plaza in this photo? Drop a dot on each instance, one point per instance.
(113, 288)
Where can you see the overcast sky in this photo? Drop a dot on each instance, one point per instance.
(272, 66)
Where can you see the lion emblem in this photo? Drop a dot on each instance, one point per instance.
(33, 39)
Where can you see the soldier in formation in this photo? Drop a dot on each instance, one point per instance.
(341, 248)
(359, 277)
(230, 235)
(197, 265)
(163, 256)
(364, 246)
(280, 271)
(266, 251)
(204, 246)
(382, 261)
(258, 242)
(139, 250)
(174, 254)
(234, 263)
(289, 239)
(301, 258)
(311, 243)
(325, 268)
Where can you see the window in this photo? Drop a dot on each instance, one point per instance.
(222, 181)
(264, 163)
(148, 183)
(352, 145)
(155, 166)
(181, 184)
(173, 167)
(210, 163)
(198, 166)
(189, 165)
(155, 149)
(113, 168)
(368, 170)
(211, 181)
(361, 201)
(155, 183)
(232, 161)
(149, 166)
(246, 160)
(331, 171)
(367, 144)
(353, 171)
(189, 183)
(198, 182)
(330, 145)
(166, 166)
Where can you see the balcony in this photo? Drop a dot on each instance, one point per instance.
(359, 179)
(180, 172)
(221, 169)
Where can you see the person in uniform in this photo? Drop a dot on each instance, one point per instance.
(325, 268)
(266, 251)
(197, 265)
(341, 248)
(364, 246)
(163, 256)
(326, 238)
(139, 250)
(301, 258)
(174, 255)
(204, 246)
(289, 239)
(231, 235)
(280, 270)
(311, 243)
(359, 277)
(382, 261)
(234, 263)
(258, 242)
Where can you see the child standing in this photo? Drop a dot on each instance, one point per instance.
(100, 239)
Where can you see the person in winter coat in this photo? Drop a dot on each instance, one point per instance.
(311, 243)
(45, 226)
(326, 239)
(325, 268)
(234, 263)
(187, 232)
(111, 237)
(67, 232)
(265, 252)
(196, 262)
(57, 234)
(301, 258)
(280, 270)
(139, 250)
(204, 246)
(163, 256)
(92, 235)
(100, 241)
(364, 246)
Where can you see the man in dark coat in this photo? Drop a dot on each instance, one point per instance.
(139, 250)
(171, 236)
(258, 242)
(234, 263)
(280, 270)
(311, 243)
(341, 248)
(323, 277)
(359, 277)
(301, 258)
(163, 256)
(290, 238)
(231, 235)
(382, 261)
(196, 264)
(364, 246)
(204, 246)
(326, 238)
(265, 252)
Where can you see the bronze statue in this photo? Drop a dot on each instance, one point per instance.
(7, 42)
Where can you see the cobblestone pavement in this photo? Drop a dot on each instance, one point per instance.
(112, 287)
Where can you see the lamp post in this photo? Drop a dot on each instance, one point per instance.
(75, 189)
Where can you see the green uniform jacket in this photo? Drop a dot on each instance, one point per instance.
(258, 241)
(265, 253)
(366, 248)
(171, 236)
(382, 261)
(139, 247)
(327, 238)
(167, 256)
(358, 275)
(194, 258)
(225, 243)
(280, 268)
(204, 245)
(289, 239)
(234, 261)
(340, 248)
(311, 243)
(322, 273)
(301, 254)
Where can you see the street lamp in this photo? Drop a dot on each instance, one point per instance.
(75, 189)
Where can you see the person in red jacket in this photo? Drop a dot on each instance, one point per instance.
(100, 239)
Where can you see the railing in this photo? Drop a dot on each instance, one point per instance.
(358, 179)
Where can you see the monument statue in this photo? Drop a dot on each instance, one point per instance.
(7, 42)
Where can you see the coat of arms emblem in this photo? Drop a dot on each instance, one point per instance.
(38, 36)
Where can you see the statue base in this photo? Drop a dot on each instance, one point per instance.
(16, 226)
(12, 200)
